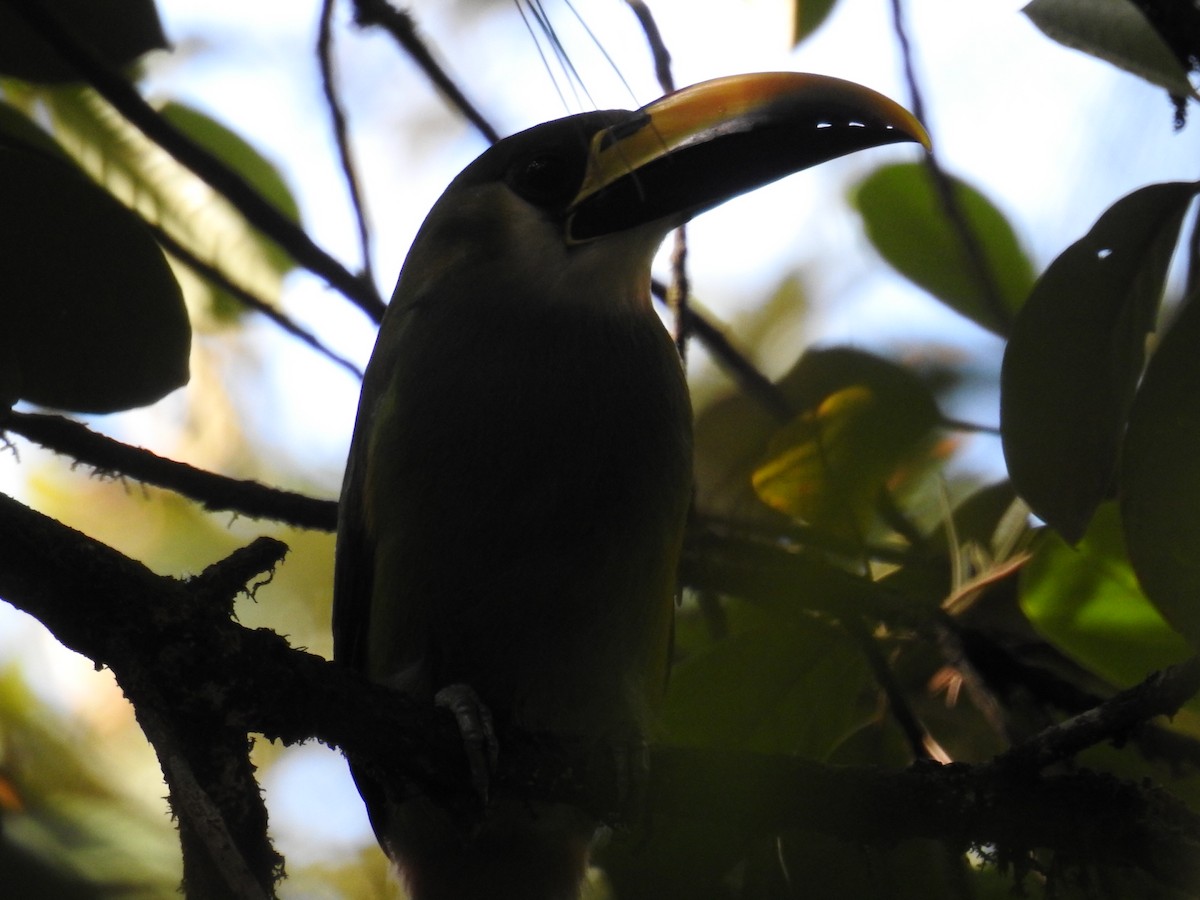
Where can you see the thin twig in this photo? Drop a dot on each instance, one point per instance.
(340, 133)
(403, 29)
(969, 427)
(678, 296)
(948, 638)
(796, 537)
(753, 383)
(1162, 694)
(658, 47)
(211, 273)
(117, 90)
(916, 97)
(214, 492)
(973, 252)
(687, 321)
(920, 743)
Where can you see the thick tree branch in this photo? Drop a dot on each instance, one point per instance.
(1084, 815)
(214, 492)
(215, 863)
(179, 655)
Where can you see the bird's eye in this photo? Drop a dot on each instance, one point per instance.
(547, 179)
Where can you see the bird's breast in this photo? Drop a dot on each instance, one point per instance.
(529, 476)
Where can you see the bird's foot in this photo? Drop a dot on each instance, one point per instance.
(478, 732)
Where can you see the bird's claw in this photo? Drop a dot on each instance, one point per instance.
(478, 732)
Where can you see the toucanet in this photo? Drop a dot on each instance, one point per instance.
(521, 467)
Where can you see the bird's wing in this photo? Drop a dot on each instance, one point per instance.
(354, 565)
(354, 558)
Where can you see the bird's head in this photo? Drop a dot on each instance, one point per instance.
(574, 210)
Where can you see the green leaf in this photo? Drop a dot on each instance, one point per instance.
(789, 686)
(232, 149)
(1086, 601)
(1076, 354)
(118, 30)
(258, 171)
(1115, 31)
(94, 317)
(808, 16)
(861, 418)
(906, 221)
(1160, 476)
(164, 193)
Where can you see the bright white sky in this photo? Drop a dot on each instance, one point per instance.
(1052, 136)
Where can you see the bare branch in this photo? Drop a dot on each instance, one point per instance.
(217, 277)
(921, 744)
(658, 47)
(401, 26)
(679, 293)
(1161, 694)
(214, 492)
(213, 862)
(752, 382)
(975, 258)
(337, 117)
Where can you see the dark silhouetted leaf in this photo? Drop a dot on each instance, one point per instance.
(1076, 354)
(1115, 31)
(906, 221)
(118, 30)
(95, 318)
(1160, 476)
(10, 373)
(18, 132)
(1087, 602)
